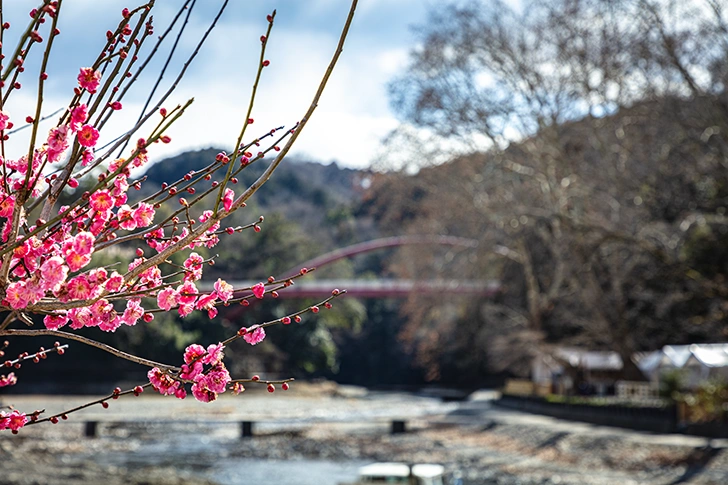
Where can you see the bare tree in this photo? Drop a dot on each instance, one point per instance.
(598, 191)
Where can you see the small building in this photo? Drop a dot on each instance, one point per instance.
(699, 362)
(567, 370)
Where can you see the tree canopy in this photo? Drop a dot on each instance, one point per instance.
(587, 154)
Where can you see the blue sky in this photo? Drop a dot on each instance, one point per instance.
(353, 114)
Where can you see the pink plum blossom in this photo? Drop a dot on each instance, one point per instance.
(53, 272)
(15, 295)
(150, 277)
(98, 223)
(79, 115)
(223, 290)
(206, 302)
(217, 378)
(114, 282)
(121, 185)
(126, 221)
(54, 322)
(167, 299)
(258, 290)
(7, 204)
(189, 373)
(57, 143)
(227, 199)
(77, 261)
(185, 309)
(192, 352)
(97, 276)
(8, 380)
(14, 420)
(79, 288)
(7, 229)
(80, 317)
(83, 243)
(88, 136)
(187, 293)
(58, 138)
(205, 216)
(214, 354)
(193, 264)
(162, 382)
(144, 214)
(201, 392)
(87, 157)
(212, 239)
(101, 201)
(89, 79)
(101, 308)
(255, 337)
(3, 120)
(110, 322)
(133, 313)
(104, 313)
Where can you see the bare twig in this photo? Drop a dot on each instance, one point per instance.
(90, 342)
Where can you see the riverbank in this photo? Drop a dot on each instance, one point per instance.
(333, 435)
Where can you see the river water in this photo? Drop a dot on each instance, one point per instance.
(286, 472)
(205, 440)
(217, 453)
(243, 471)
(319, 438)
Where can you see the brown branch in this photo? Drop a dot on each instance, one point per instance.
(64, 414)
(314, 104)
(160, 257)
(90, 342)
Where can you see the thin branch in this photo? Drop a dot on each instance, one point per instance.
(90, 342)
(64, 414)
(297, 131)
(158, 258)
(171, 88)
(166, 64)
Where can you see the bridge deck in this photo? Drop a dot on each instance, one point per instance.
(375, 288)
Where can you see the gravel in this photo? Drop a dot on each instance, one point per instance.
(486, 448)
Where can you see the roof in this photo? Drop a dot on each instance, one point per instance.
(590, 359)
(711, 355)
(647, 362)
(677, 356)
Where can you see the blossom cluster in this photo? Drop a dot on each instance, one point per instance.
(52, 262)
(13, 420)
(8, 380)
(50, 268)
(49, 264)
(47, 253)
(207, 382)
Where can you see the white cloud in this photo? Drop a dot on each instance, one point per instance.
(352, 114)
(391, 61)
(344, 137)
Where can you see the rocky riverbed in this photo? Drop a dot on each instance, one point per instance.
(485, 444)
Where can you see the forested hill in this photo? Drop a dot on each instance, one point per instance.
(309, 209)
(295, 181)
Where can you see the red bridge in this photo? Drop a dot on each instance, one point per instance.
(311, 288)
(308, 287)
